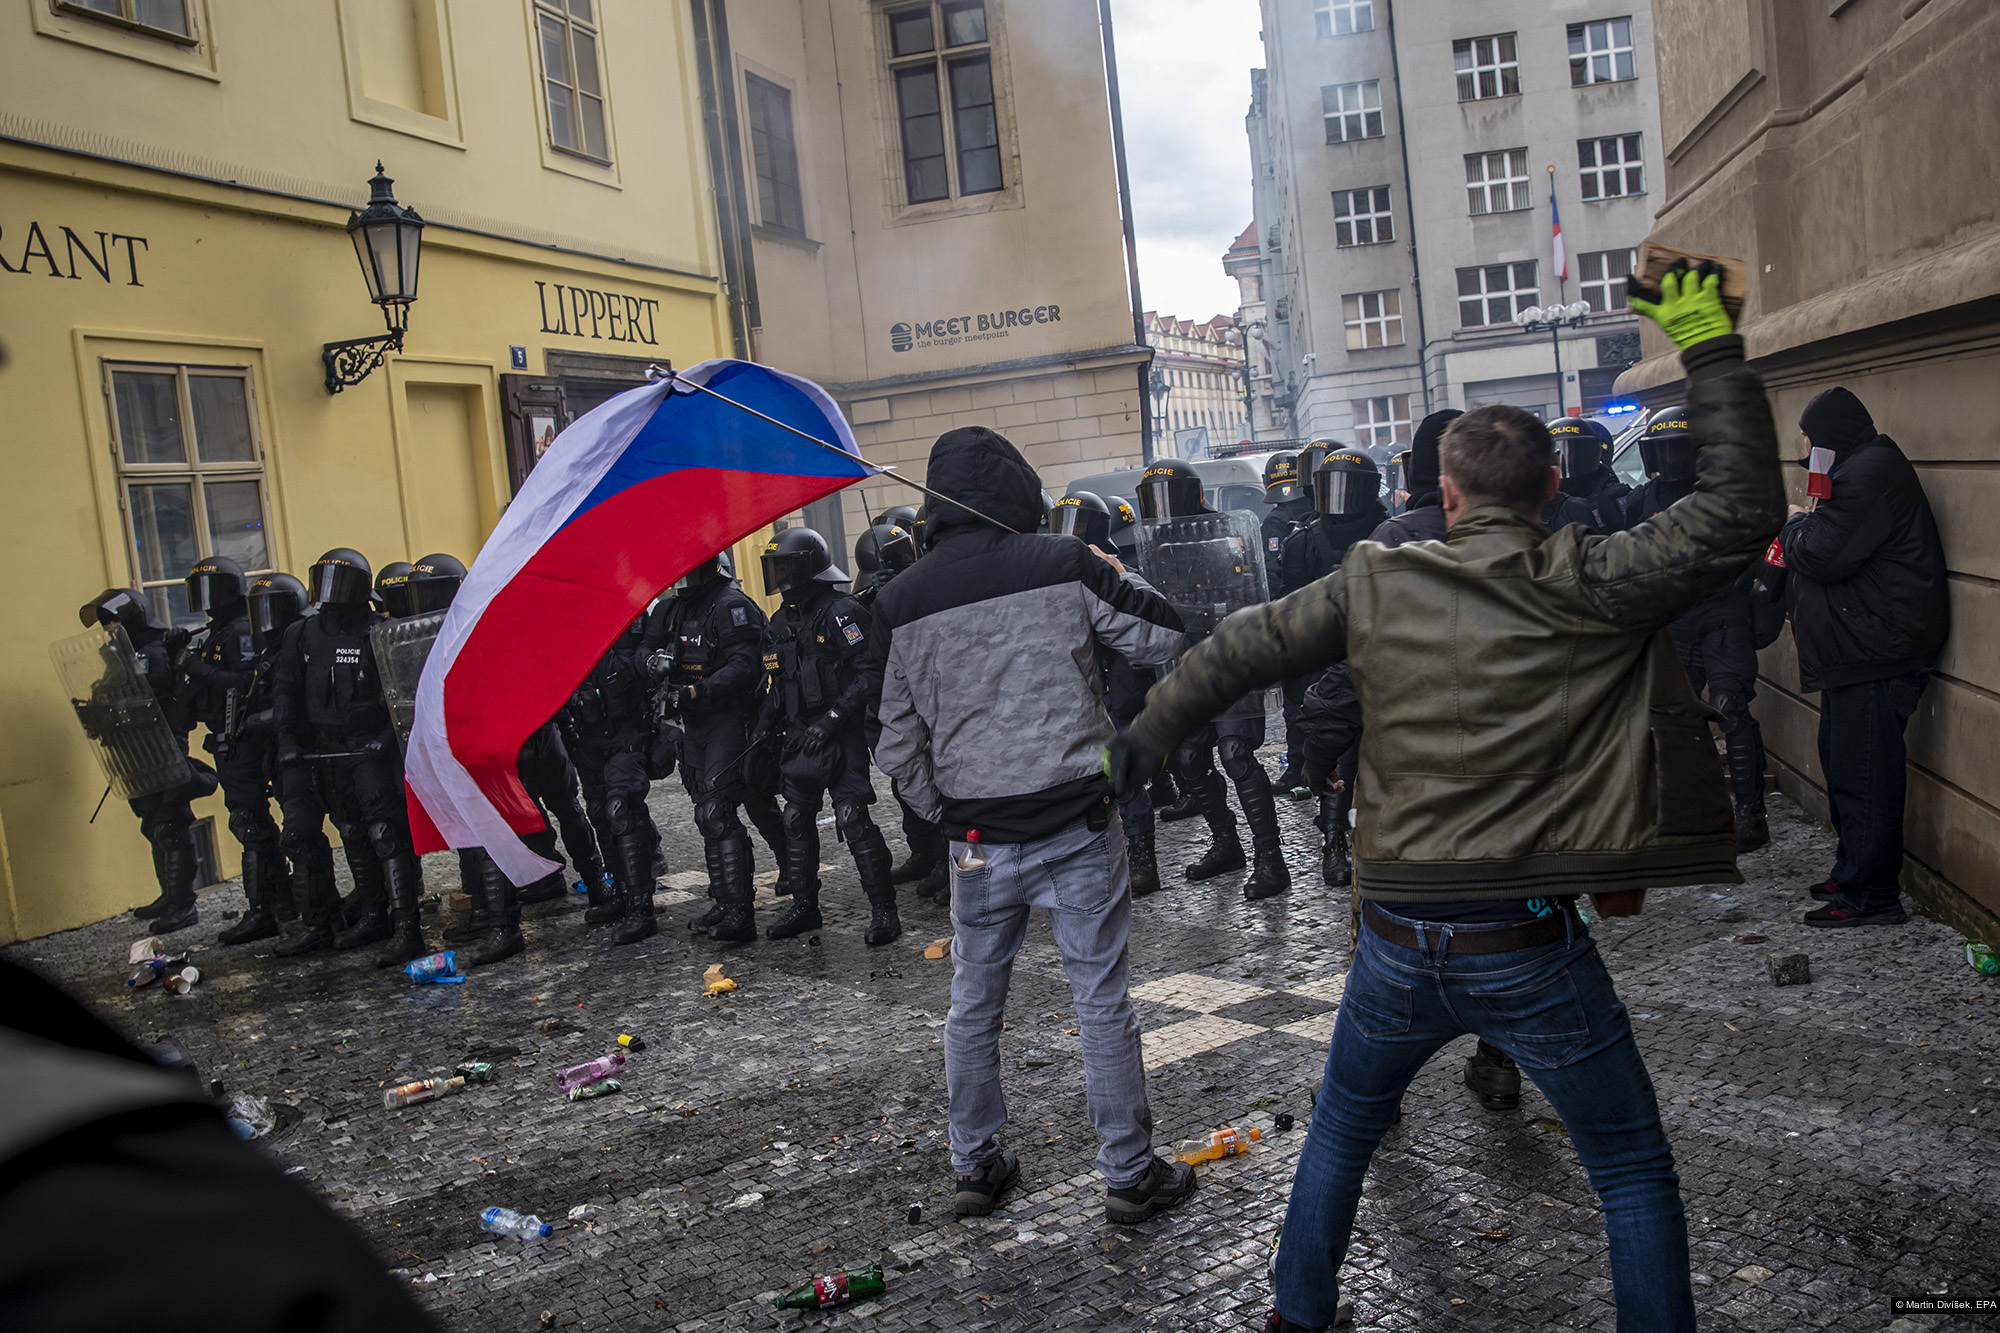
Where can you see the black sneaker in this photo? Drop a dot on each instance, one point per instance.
(1495, 1078)
(979, 1191)
(1164, 1185)
(1847, 911)
(1825, 892)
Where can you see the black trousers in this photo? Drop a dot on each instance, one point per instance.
(550, 778)
(1861, 752)
(245, 773)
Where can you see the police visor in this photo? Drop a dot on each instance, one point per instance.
(1340, 493)
(272, 609)
(338, 584)
(427, 595)
(208, 589)
(782, 573)
(1579, 455)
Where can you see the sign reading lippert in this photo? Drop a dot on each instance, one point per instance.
(954, 329)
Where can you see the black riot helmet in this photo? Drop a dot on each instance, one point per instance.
(921, 529)
(434, 581)
(720, 567)
(120, 606)
(796, 557)
(341, 577)
(392, 588)
(213, 583)
(1170, 489)
(1281, 478)
(1346, 484)
(889, 546)
(1582, 445)
(1396, 474)
(866, 558)
(1083, 514)
(276, 600)
(896, 516)
(1311, 457)
(1666, 449)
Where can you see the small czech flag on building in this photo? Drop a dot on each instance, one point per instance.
(1819, 474)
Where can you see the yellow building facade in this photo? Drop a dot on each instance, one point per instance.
(175, 180)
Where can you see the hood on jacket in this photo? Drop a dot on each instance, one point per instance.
(982, 470)
(1836, 420)
(1424, 467)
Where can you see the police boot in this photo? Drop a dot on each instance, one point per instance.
(718, 889)
(936, 886)
(871, 862)
(1495, 1078)
(802, 851)
(1746, 779)
(318, 905)
(738, 923)
(550, 886)
(1268, 875)
(1225, 851)
(278, 887)
(472, 864)
(178, 868)
(606, 895)
(159, 903)
(1144, 866)
(370, 921)
(1336, 856)
(402, 885)
(503, 918)
(635, 849)
(259, 921)
(917, 865)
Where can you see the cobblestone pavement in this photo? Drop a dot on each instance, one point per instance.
(1831, 1137)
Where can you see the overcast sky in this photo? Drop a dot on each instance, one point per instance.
(1184, 81)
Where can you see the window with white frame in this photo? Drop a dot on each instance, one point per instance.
(157, 18)
(1602, 275)
(1601, 52)
(1382, 421)
(1495, 293)
(1498, 182)
(190, 474)
(1487, 67)
(1374, 319)
(572, 78)
(941, 62)
(774, 156)
(1353, 110)
(1363, 217)
(1612, 168)
(1338, 18)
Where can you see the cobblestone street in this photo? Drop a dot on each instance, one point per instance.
(1832, 1138)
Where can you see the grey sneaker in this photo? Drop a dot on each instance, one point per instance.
(1164, 1185)
(979, 1191)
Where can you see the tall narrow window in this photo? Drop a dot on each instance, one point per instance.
(775, 156)
(1362, 217)
(1601, 52)
(190, 474)
(1352, 110)
(1497, 182)
(1611, 168)
(941, 62)
(1487, 67)
(1338, 18)
(572, 81)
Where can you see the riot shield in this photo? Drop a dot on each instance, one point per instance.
(138, 751)
(401, 648)
(1207, 565)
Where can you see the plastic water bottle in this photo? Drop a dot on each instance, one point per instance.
(507, 1222)
(602, 1067)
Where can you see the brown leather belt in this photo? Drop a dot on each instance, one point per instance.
(1467, 940)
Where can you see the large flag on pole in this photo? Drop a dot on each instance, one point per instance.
(1555, 221)
(627, 500)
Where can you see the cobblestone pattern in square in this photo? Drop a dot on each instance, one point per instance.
(1832, 1138)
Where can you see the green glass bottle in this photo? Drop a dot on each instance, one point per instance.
(837, 1289)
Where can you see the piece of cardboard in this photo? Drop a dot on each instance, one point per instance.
(1656, 257)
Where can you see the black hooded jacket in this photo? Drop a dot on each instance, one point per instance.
(1316, 549)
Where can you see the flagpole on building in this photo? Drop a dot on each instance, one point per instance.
(1561, 257)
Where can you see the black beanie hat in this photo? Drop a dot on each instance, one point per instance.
(1836, 420)
(1424, 470)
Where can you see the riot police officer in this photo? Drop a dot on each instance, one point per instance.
(819, 695)
(330, 714)
(1564, 508)
(1347, 499)
(1583, 451)
(705, 647)
(1086, 515)
(166, 819)
(1173, 490)
(1290, 501)
(1124, 540)
(1717, 640)
(607, 727)
(392, 590)
(884, 551)
(217, 674)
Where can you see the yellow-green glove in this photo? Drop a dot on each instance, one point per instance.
(1688, 305)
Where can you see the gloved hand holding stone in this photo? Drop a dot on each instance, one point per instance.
(1688, 305)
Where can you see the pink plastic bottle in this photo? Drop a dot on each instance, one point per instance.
(602, 1067)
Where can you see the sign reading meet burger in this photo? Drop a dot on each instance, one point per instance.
(949, 330)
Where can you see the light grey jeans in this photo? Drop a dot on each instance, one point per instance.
(1081, 878)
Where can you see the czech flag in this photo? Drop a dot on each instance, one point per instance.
(633, 495)
(1556, 221)
(1819, 474)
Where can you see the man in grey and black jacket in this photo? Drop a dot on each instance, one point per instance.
(991, 720)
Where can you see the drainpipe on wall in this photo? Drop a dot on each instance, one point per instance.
(725, 169)
(1131, 242)
(1410, 210)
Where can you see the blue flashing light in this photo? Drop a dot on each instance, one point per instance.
(1617, 409)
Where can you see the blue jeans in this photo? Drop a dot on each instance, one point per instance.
(1081, 878)
(1554, 1011)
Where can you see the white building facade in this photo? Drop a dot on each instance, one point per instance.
(1198, 385)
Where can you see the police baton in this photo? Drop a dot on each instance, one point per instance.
(100, 803)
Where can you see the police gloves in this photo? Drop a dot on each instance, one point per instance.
(1129, 766)
(1688, 305)
(821, 733)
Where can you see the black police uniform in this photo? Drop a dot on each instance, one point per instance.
(818, 641)
(710, 640)
(607, 728)
(550, 779)
(166, 819)
(1603, 494)
(1278, 525)
(327, 696)
(926, 866)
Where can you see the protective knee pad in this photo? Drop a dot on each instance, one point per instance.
(799, 821)
(622, 814)
(1239, 757)
(717, 821)
(1735, 710)
(388, 839)
(852, 821)
(250, 826)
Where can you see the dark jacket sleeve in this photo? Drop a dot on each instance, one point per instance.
(742, 647)
(852, 701)
(288, 688)
(1259, 646)
(1655, 571)
(1329, 723)
(1833, 542)
(1127, 615)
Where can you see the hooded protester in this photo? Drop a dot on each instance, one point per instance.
(1870, 613)
(1422, 519)
(992, 723)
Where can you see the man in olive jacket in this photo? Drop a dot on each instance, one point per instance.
(1531, 736)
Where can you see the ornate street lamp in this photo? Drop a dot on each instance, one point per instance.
(388, 239)
(1555, 318)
